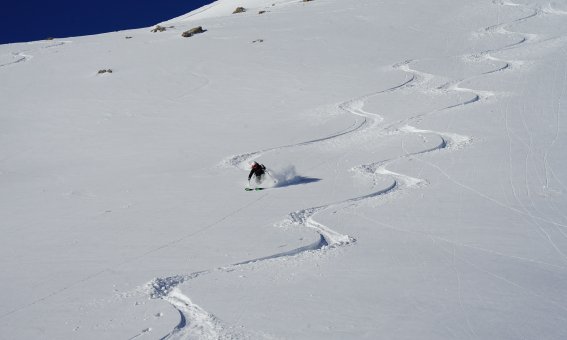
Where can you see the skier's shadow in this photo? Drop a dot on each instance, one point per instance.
(297, 180)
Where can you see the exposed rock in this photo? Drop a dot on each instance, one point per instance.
(261, 12)
(239, 10)
(159, 29)
(193, 31)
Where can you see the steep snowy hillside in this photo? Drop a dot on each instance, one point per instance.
(417, 183)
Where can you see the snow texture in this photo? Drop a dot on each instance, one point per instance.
(416, 184)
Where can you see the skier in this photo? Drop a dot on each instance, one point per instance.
(257, 170)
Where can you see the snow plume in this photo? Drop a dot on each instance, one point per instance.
(287, 176)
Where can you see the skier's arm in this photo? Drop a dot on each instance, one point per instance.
(250, 174)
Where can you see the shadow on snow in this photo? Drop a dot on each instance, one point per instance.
(297, 180)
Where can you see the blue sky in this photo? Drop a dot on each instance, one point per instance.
(35, 20)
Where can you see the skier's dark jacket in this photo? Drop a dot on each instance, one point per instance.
(257, 169)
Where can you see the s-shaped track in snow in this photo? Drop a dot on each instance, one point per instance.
(196, 322)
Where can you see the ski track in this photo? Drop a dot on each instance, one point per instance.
(196, 322)
(550, 10)
(22, 56)
(353, 106)
(19, 56)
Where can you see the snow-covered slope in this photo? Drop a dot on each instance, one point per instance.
(416, 148)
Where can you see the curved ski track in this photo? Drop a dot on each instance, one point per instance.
(21, 56)
(196, 322)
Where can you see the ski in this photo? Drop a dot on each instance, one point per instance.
(252, 189)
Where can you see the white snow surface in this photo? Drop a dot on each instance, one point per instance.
(418, 148)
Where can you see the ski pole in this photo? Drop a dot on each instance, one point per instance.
(275, 181)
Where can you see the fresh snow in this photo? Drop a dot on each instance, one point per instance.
(418, 189)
